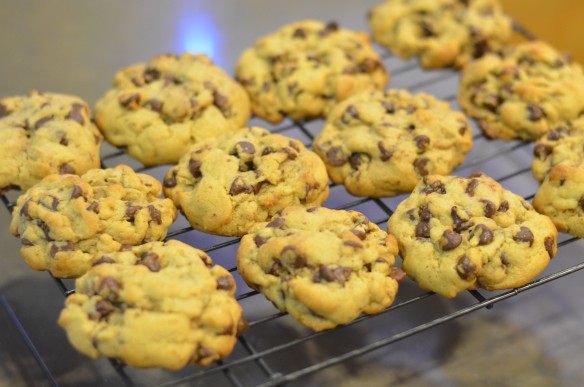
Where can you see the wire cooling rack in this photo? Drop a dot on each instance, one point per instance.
(276, 350)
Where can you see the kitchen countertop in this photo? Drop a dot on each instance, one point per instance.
(534, 339)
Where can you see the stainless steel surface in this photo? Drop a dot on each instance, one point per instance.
(535, 338)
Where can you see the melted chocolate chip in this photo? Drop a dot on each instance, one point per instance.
(151, 75)
(425, 214)
(276, 268)
(220, 100)
(356, 159)
(535, 112)
(420, 165)
(195, 168)
(292, 154)
(397, 274)
(77, 192)
(225, 283)
(556, 134)
(504, 206)
(75, 113)
(206, 260)
(368, 65)
(338, 274)
(549, 246)
(450, 240)
(465, 268)
(245, 147)
(41, 121)
(330, 27)
(427, 30)
(260, 240)
(486, 234)
(299, 33)
(354, 244)
(131, 211)
(103, 259)
(67, 247)
(154, 104)
(151, 261)
(45, 229)
(26, 242)
(422, 141)
(240, 186)
(336, 156)
(385, 154)
(267, 150)
(4, 111)
(155, 214)
(542, 151)
(360, 234)
(471, 187)
(434, 187)
(489, 209)
(24, 209)
(524, 235)
(279, 223)
(63, 140)
(93, 207)
(459, 223)
(170, 181)
(66, 169)
(423, 230)
(110, 286)
(130, 101)
(388, 106)
(104, 308)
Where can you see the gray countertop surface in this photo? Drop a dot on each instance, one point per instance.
(75, 47)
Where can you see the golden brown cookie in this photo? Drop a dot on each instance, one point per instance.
(65, 219)
(42, 134)
(225, 185)
(324, 267)
(456, 234)
(305, 68)
(155, 305)
(158, 109)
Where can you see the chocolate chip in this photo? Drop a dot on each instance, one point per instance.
(245, 147)
(292, 88)
(423, 230)
(336, 156)
(260, 240)
(294, 145)
(126, 248)
(151, 261)
(155, 214)
(354, 244)
(465, 268)
(130, 101)
(489, 209)
(360, 234)
(311, 209)
(24, 209)
(266, 86)
(103, 259)
(427, 30)
(338, 274)
(504, 206)
(41, 121)
(267, 150)
(556, 134)
(450, 240)
(225, 283)
(4, 111)
(486, 234)
(535, 112)
(170, 181)
(104, 308)
(242, 326)
(154, 104)
(357, 158)
(150, 75)
(195, 168)
(279, 223)
(75, 113)
(276, 268)
(67, 247)
(549, 246)
(292, 154)
(434, 187)
(206, 260)
(66, 169)
(94, 207)
(45, 229)
(352, 111)
(299, 33)
(131, 211)
(420, 165)
(220, 100)
(542, 151)
(388, 106)
(110, 286)
(368, 65)
(397, 274)
(480, 48)
(471, 187)
(77, 192)
(63, 140)
(491, 102)
(459, 223)
(425, 214)
(239, 186)
(385, 154)
(524, 235)
(26, 242)
(330, 27)
(422, 141)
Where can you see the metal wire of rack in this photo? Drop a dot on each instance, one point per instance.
(252, 350)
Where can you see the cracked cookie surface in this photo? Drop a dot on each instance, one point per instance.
(526, 91)
(305, 68)
(63, 220)
(224, 185)
(381, 143)
(155, 305)
(324, 267)
(42, 134)
(466, 233)
(442, 33)
(159, 108)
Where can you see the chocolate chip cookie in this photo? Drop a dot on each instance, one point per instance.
(42, 134)
(562, 145)
(456, 234)
(442, 33)
(65, 219)
(225, 185)
(381, 143)
(324, 267)
(155, 305)
(561, 197)
(159, 108)
(305, 68)
(522, 93)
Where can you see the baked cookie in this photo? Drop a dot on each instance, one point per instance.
(226, 184)
(456, 234)
(42, 134)
(305, 68)
(65, 219)
(324, 267)
(561, 197)
(522, 93)
(159, 108)
(442, 33)
(156, 305)
(562, 145)
(381, 143)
